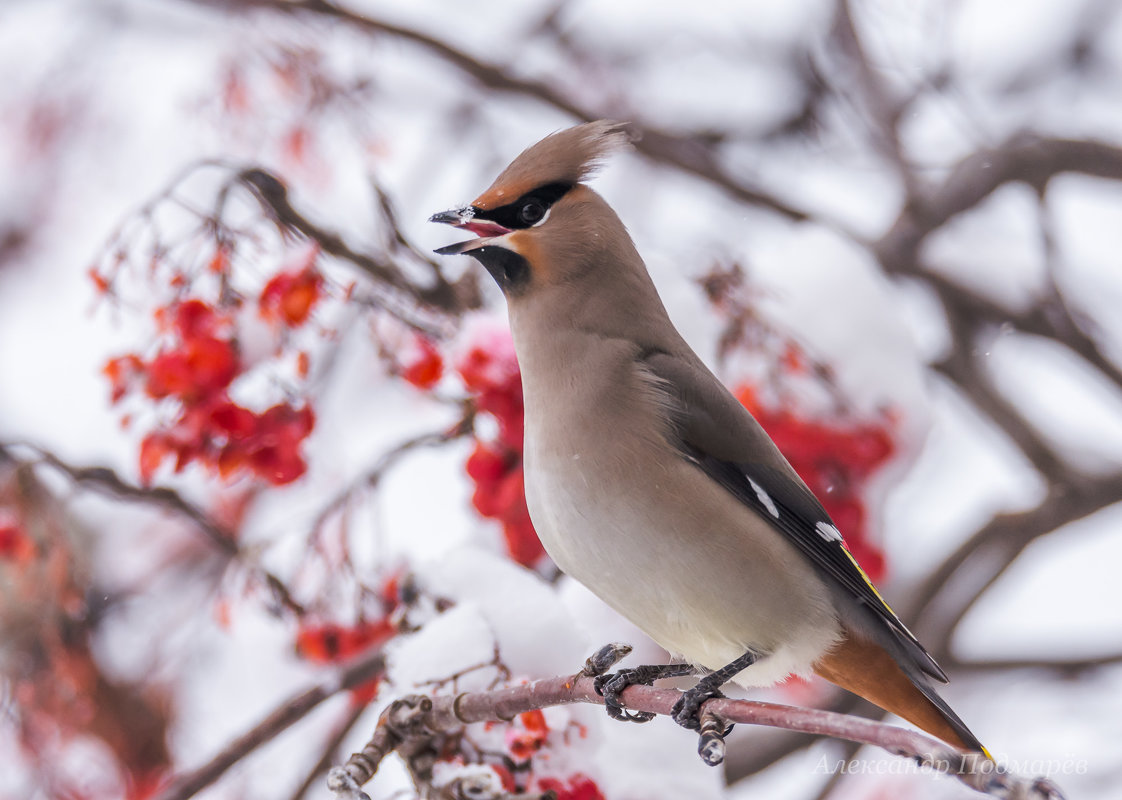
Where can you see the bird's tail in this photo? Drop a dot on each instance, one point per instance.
(866, 669)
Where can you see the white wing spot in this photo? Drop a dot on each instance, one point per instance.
(828, 532)
(765, 498)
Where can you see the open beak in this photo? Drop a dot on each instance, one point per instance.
(465, 218)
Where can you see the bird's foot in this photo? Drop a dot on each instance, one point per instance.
(689, 713)
(686, 710)
(612, 685)
(605, 658)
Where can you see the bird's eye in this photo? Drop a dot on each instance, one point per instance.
(531, 212)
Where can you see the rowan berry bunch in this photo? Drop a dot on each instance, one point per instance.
(487, 371)
(796, 399)
(221, 384)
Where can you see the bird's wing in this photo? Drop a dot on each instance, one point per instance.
(718, 434)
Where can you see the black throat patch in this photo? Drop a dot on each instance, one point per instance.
(509, 269)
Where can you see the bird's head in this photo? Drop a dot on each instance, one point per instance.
(538, 224)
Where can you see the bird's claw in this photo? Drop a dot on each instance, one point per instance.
(612, 685)
(605, 658)
(686, 710)
(711, 729)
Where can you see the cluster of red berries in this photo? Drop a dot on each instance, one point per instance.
(526, 735)
(197, 361)
(488, 370)
(333, 642)
(836, 459)
(15, 545)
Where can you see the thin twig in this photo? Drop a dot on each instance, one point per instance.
(330, 749)
(106, 481)
(964, 366)
(373, 476)
(1067, 668)
(441, 296)
(287, 714)
(687, 154)
(882, 108)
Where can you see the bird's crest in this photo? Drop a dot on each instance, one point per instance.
(568, 156)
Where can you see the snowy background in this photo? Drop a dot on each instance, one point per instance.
(777, 137)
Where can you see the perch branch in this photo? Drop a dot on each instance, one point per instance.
(410, 722)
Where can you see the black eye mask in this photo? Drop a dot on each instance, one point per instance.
(528, 210)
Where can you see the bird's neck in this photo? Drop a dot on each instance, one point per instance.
(585, 343)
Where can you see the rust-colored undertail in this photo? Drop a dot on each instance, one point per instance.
(864, 668)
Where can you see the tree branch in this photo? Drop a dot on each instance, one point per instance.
(272, 193)
(950, 591)
(285, 716)
(104, 480)
(1066, 668)
(883, 110)
(1035, 160)
(687, 154)
(944, 597)
(410, 724)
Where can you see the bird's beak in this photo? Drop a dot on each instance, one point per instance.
(456, 217)
(465, 218)
(492, 249)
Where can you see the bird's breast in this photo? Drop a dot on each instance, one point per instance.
(619, 509)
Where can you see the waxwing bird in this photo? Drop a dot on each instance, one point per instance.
(648, 482)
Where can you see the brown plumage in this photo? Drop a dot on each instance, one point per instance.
(568, 156)
(648, 481)
(866, 669)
